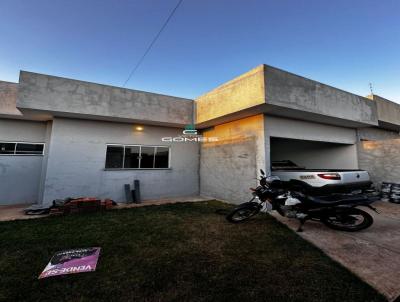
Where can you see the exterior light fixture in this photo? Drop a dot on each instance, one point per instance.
(139, 128)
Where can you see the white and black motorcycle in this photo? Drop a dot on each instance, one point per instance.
(337, 211)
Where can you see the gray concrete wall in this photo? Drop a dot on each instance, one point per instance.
(49, 128)
(20, 175)
(67, 97)
(228, 170)
(379, 154)
(292, 91)
(388, 111)
(376, 134)
(380, 159)
(18, 130)
(229, 167)
(315, 155)
(77, 154)
(241, 93)
(8, 99)
(270, 90)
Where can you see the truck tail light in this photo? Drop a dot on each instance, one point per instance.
(330, 176)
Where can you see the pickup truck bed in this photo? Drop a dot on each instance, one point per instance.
(318, 170)
(321, 180)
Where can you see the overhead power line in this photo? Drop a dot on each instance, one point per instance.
(152, 42)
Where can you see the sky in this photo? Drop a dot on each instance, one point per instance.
(345, 44)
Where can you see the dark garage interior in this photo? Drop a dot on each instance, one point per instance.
(314, 154)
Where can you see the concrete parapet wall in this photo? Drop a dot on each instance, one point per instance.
(292, 91)
(267, 89)
(241, 93)
(388, 111)
(8, 99)
(89, 100)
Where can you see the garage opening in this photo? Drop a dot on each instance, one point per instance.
(314, 154)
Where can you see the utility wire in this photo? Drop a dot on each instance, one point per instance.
(152, 42)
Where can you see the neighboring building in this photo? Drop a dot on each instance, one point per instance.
(61, 137)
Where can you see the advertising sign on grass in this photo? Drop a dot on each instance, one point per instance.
(72, 262)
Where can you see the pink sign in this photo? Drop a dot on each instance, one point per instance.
(72, 262)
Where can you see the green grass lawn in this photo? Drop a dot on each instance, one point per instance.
(180, 252)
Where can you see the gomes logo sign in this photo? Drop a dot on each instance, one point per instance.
(189, 130)
(189, 134)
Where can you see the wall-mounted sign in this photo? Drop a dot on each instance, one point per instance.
(189, 134)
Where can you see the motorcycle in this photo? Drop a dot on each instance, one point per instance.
(337, 211)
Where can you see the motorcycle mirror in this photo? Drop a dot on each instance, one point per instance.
(262, 172)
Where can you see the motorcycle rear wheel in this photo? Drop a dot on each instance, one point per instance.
(243, 213)
(349, 220)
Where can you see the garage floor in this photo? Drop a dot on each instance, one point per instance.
(372, 254)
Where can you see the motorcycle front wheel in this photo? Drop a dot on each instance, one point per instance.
(243, 212)
(349, 220)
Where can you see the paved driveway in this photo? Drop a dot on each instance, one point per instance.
(372, 254)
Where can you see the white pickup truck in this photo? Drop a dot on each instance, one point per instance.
(321, 180)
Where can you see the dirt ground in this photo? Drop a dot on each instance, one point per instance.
(15, 212)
